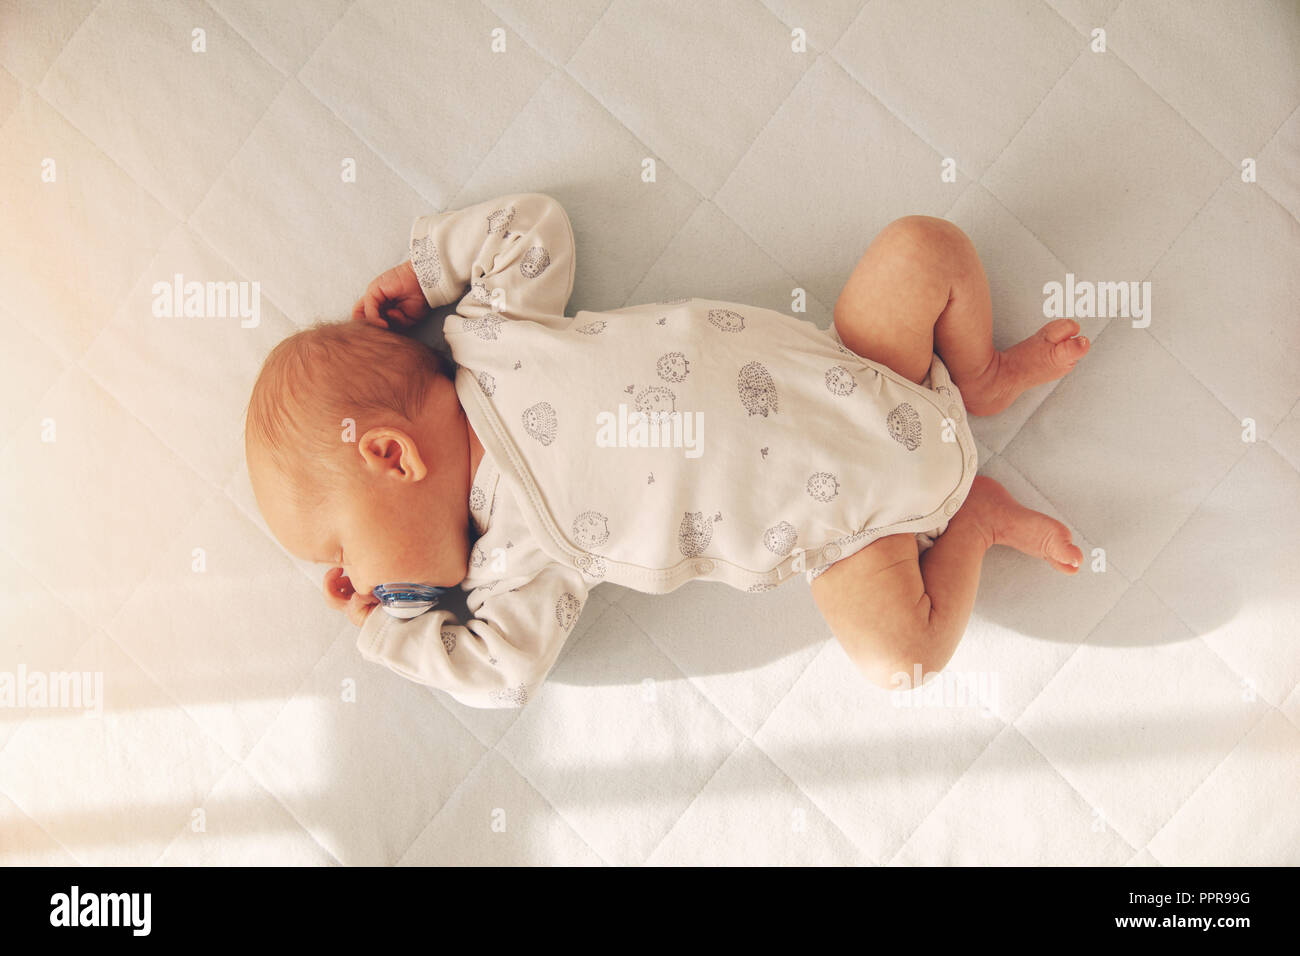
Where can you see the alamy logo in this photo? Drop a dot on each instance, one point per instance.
(102, 909)
(1086, 300)
(651, 429)
(974, 689)
(208, 300)
(55, 690)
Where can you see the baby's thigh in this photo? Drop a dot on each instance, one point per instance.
(887, 310)
(872, 602)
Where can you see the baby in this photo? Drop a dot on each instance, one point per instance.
(649, 446)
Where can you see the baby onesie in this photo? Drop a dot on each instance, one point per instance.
(650, 446)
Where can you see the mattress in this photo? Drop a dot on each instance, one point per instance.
(1143, 712)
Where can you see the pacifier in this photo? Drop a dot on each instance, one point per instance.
(407, 600)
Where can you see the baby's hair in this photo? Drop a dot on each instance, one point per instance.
(332, 371)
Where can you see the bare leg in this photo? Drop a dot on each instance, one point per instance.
(893, 613)
(920, 288)
(990, 380)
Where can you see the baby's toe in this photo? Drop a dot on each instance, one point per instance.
(1058, 330)
(1062, 551)
(1065, 354)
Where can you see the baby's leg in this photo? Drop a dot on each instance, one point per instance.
(892, 612)
(920, 289)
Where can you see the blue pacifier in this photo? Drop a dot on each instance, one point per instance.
(407, 600)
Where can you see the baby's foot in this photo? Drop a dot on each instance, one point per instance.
(1007, 521)
(1043, 357)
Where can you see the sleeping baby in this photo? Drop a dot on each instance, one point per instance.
(691, 439)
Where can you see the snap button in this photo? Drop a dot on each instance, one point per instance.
(831, 552)
(704, 567)
(951, 507)
(954, 413)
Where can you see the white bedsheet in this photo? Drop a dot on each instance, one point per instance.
(1148, 714)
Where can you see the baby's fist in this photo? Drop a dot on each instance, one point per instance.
(340, 595)
(359, 608)
(393, 299)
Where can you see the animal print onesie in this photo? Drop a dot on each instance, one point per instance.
(649, 446)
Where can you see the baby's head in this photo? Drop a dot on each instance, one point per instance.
(358, 453)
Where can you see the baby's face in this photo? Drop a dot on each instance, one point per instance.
(399, 513)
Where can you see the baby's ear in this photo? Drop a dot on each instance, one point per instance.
(393, 453)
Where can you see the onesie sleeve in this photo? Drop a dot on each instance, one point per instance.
(516, 251)
(497, 658)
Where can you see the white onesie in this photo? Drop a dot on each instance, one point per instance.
(649, 446)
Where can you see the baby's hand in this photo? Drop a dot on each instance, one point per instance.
(394, 296)
(340, 596)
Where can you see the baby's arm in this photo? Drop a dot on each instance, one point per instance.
(517, 251)
(495, 659)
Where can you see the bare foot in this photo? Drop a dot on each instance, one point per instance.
(1043, 357)
(1006, 521)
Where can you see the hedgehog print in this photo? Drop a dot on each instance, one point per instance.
(757, 390)
(592, 565)
(590, 530)
(673, 367)
(780, 538)
(592, 328)
(566, 610)
(905, 426)
(855, 537)
(839, 380)
(487, 383)
(516, 696)
(727, 320)
(823, 486)
(477, 498)
(694, 534)
(540, 423)
(500, 221)
(485, 326)
(425, 261)
(534, 262)
(656, 401)
(448, 639)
